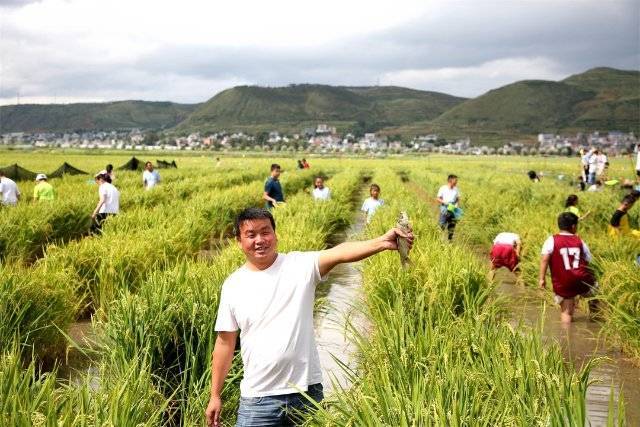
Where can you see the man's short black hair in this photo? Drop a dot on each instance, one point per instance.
(567, 220)
(274, 166)
(452, 176)
(250, 214)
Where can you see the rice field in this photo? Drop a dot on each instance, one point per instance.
(439, 349)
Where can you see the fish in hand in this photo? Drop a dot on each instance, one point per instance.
(403, 245)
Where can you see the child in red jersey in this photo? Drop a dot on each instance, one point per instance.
(568, 258)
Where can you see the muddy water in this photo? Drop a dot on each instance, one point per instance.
(78, 364)
(580, 341)
(341, 295)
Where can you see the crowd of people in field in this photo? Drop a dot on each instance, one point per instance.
(268, 302)
(564, 254)
(108, 195)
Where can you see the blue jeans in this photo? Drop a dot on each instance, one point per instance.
(276, 410)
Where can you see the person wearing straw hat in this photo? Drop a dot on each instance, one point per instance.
(108, 203)
(43, 190)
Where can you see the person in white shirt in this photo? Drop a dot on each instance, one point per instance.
(593, 166)
(109, 202)
(371, 205)
(9, 191)
(449, 199)
(602, 162)
(320, 192)
(150, 177)
(269, 303)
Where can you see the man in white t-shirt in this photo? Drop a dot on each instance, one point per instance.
(108, 203)
(9, 191)
(150, 177)
(269, 303)
(320, 192)
(449, 199)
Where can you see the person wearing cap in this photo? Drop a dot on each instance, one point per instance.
(9, 191)
(109, 202)
(43, 190)
(150, 177)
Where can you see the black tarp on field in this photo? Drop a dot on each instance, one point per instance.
(66, 169)
(132, 165)
(18, 173)
(161, 164)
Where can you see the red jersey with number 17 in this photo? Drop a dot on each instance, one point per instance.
(570, 272)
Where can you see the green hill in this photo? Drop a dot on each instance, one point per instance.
(93, 116)
(599, 99)
(255, 108)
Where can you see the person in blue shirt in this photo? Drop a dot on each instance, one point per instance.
(272, 189)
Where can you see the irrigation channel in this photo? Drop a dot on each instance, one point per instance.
(580, 341)
(340, 292)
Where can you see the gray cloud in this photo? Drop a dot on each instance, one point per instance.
(570, 36)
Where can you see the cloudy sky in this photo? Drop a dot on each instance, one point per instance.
(188, 50)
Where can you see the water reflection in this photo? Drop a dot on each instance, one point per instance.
(341, 295)
(580, 341)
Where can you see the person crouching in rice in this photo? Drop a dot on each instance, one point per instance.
(506, 253)
(568, 258)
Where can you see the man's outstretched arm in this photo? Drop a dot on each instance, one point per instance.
(356, 251)
(220, 365)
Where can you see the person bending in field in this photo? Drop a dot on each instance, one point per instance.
(9, 191)
(533, 176)
(568, 258)
(112, 176)
(150, 177)
(320, 192)
(571, 205)
(373, 203)
(108, 202)
(619, 224)
(505, 253)
(269, 302)
(449, 199)
(272, 189)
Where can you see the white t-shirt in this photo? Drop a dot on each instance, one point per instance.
(506, 239)
(601, 163)
(324, 194)
(593, 163)
(111, 198)
(370, 206)
(9, 191)
(638, 160)
(448, 195)
(273, 309)
(152, 178)
(547, 247)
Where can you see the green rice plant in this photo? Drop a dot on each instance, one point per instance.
(438, 351)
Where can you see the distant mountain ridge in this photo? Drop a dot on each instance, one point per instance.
(294, 106)
(598, 99)
(92, 116)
